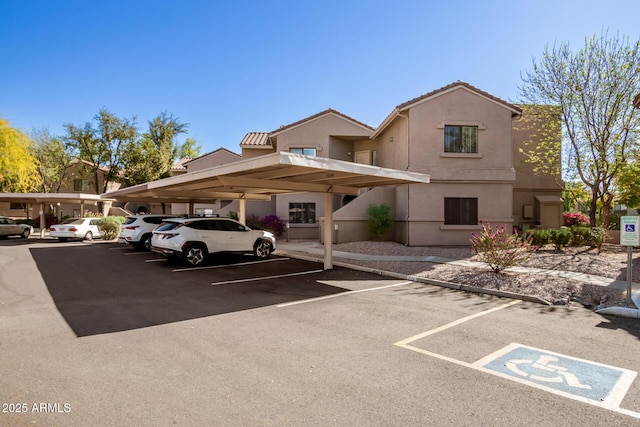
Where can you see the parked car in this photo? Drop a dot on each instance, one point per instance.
(9, 227)
(136, 229)
(193, 239)
(76, 228)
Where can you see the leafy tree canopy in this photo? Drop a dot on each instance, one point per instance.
(594, 88)
(18, 167)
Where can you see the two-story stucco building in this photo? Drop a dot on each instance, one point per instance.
(467, 140)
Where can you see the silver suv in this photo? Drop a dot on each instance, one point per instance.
(136, 229)
(193, 239)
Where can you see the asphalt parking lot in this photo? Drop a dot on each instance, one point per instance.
(98, 334)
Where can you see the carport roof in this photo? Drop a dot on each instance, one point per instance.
(51, 197)
(261, 177)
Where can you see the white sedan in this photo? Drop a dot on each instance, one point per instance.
(8, 227)
(76, 228)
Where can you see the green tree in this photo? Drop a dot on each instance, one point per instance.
(152, 156)
(190, 149)
(629, 182)
(594, 87)
(18, 167)
(103, 147)
(54, 158)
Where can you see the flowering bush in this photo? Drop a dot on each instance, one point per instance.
(500, 249)
(271, 223)
(575, 218)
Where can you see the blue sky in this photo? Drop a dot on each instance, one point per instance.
(232, 67)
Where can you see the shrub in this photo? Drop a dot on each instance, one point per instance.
(109, 226)
(539, 238)
(560, 237)
(380, 220)
(575, 218)
(271, 223)
(598, 237)
(580, 235)
(253, 221)
(500, 249)
(274, 224)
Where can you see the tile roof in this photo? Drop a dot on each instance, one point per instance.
(180, 164)
(515, 109)
(210, 153)
(453, 85)
(256, 139)
(320, 114)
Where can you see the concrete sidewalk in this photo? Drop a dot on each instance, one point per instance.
(316, 249)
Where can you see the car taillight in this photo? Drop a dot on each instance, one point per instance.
(73, 229)
(169, 235)
(52, 229)
(132, 227)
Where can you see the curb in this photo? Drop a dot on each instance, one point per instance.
(443, 284)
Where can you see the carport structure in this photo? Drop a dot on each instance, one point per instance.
(262, 177)
(43, 199)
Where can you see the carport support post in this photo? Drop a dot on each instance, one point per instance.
(242, 211)
(328, 231)
(43, 223)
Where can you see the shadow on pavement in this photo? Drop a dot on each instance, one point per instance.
(98, 290)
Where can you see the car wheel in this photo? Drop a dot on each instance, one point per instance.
(25, 233)
(262, 249)
(146, 242)
(88, 236)
(194, 255)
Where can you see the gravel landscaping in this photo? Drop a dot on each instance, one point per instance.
(611, 262)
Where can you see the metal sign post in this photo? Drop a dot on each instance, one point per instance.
(629, 237)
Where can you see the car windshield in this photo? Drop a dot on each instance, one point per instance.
(129, 220)
(73, 221)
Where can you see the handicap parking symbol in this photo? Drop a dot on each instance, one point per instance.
(565, 374)
(629, 228)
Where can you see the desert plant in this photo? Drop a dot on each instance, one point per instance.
(500, 249)
(380, 220)
(109, 226)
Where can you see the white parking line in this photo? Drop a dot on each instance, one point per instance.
(305, 301)
(479, 365)
(253, 279)
(156, 260)
(178, 270)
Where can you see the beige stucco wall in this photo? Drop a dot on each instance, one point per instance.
(528, 184)
(216, 158)
(321, 133)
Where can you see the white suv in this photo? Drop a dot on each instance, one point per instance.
(136, 229)
(192, 239)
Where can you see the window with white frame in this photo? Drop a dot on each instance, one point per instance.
(460, 211)
(460, 139)
(302, 213)
(307, 151)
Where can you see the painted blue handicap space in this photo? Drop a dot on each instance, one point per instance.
(564, 374)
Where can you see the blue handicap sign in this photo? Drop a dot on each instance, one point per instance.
(629, 228)
(577, 377)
